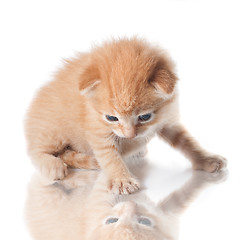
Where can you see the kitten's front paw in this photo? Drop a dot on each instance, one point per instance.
(212, 163)
(124, 185)
(56, 170)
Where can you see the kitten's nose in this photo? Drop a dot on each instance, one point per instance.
(128, 212)
(129, 209)
(129, 132)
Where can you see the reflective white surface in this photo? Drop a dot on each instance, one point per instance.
(201, 36)
(54, 209)
(211, 215)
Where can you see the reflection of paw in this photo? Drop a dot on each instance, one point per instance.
(124, 185)
(212, 163)
(216, 177)
(55, 170)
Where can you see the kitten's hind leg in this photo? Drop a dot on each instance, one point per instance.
(79, 160)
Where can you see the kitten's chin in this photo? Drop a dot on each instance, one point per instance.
(134, 138)
(145, 135)
(124, 137)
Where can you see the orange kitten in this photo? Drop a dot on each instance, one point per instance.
(80, 207)
(104, 106)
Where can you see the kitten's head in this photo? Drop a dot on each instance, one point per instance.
(130, 221)
(128, 82)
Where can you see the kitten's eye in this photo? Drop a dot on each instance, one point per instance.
(111, 118)
(111, 220)
(145, 221)
(144, 117)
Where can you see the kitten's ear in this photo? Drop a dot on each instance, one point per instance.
(89, 79)
(164, 81)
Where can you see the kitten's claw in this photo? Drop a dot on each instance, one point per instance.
(212, 163)
(124, 185)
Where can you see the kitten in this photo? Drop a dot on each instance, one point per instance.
(104, 106)
(81, 207)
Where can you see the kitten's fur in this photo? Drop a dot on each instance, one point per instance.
(123, 78)
(78, 208)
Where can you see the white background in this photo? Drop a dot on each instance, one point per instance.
(203, 39)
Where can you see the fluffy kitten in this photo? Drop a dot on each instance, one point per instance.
(79, 207)
(102, 107)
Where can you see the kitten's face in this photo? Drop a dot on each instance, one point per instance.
(128, 221)
(130, 113)
(128, 81)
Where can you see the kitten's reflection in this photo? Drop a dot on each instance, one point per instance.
(81, 208)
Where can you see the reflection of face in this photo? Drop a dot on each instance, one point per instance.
(129, 220)
(127, 213)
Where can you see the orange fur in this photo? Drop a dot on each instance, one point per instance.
(79, 160)
(123, 78)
